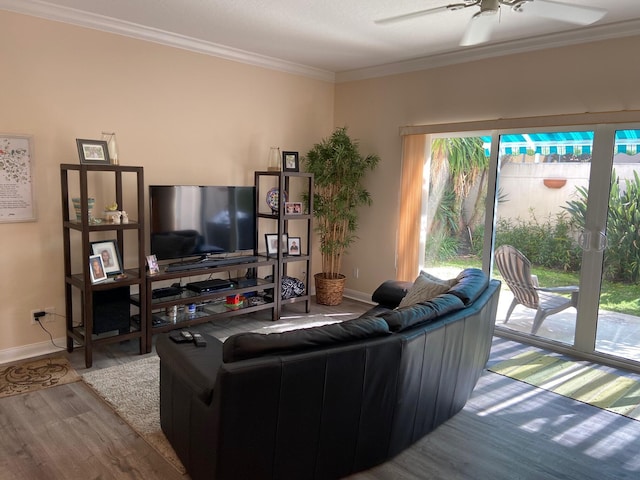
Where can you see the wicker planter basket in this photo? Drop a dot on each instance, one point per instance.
(329, 291)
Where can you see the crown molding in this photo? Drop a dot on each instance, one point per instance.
(37, 8)
(43, 9)
(575, 37)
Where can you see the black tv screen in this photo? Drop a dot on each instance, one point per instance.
(188, 220)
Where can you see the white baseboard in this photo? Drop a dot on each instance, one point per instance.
(359, 296)
(14, 354)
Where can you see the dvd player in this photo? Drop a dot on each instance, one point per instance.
(212, 285)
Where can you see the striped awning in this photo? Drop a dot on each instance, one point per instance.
(579, 142)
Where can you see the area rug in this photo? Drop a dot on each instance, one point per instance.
(35, 375)
(576, 380)
(133, 391)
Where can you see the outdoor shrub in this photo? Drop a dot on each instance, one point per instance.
(549, 243)
(622, 255)
(439, 247)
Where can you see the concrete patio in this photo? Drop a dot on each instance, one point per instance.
(618, 334)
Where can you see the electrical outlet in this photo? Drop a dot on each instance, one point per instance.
(32, 318)
(356, 272)
(49, 315)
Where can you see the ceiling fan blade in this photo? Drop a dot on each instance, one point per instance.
(422, 13)
(479, 29)
(561, 11)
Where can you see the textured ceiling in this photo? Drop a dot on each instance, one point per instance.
(330, 36)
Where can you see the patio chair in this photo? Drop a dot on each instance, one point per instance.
(515, 269)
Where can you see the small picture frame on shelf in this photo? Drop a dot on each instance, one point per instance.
(290, 162)
(108, 251)
(293, 246)
(93, 152)
(152, 263)
(272, 243)
(293, 208)
(96, 267)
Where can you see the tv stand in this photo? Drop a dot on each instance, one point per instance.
(210, 304)
(209, 262)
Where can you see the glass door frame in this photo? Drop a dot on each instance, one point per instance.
(592, 260)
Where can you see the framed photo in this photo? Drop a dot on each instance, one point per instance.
(18, 201)
(152, 262)
(108, 251)
(96, 268)
(290, 162)
(94, 152)
(293, 208)
(293, 246)
(272, 243)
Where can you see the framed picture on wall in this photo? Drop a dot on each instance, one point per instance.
(108, 251)
(94, 152)
(290, 162)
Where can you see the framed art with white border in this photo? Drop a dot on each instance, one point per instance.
(290, 162)
(96, 267)
(293, 246)
(108, 251)
(272, 243)
(93, 152)
(152, 262)
(293, 208)
(17, 196)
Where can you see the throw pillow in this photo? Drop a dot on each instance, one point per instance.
(425, 288)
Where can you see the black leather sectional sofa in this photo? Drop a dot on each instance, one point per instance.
(324, 402)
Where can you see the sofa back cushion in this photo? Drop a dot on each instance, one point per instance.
(470, 284)
(403, 318)
(249, 345)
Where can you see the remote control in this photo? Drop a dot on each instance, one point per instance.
(187, 335)
(179, 338)
(198, 340)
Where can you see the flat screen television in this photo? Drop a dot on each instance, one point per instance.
(189, 221)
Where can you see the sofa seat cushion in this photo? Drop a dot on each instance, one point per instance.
(425, 288)
(470, 283)
(249, 345)
(403, 318)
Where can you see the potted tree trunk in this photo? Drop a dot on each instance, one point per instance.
(338, 169)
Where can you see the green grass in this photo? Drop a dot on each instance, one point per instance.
(615, 297)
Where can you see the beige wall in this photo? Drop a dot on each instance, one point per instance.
(185, 117)
(598, 77)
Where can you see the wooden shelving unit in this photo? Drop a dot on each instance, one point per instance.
(284, 222)
(100, 302)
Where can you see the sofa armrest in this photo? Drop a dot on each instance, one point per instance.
(391, 293)
(197, 367)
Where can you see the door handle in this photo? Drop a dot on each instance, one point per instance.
(589, 242)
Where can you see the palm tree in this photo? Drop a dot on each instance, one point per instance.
(462, 165)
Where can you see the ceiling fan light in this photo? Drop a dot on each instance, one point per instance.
(489, 7)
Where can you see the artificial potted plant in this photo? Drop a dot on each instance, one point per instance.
(338, 169)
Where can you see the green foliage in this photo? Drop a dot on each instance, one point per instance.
(338, 169)
(440, 247)
(622, 255)
(548, 243)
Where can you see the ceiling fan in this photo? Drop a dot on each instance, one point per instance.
(482, 23)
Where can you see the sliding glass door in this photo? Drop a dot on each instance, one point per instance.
(568, 201)
(618, 319)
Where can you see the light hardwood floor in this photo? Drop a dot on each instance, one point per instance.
(508, 430)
